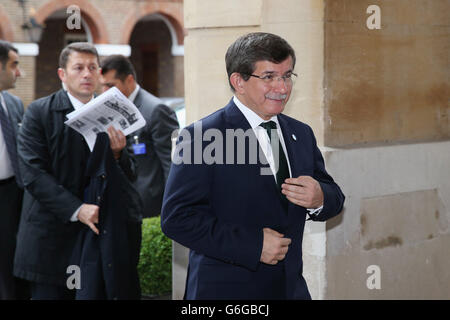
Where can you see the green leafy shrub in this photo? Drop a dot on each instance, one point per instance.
(155, 264)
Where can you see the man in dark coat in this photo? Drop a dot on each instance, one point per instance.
(152, 144)
(242, 220)
(11, 113)
(52, 159)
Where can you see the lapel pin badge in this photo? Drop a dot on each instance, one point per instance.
(294, 137)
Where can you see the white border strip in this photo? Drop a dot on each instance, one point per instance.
(177, 50)
(32, 49)
(109, 49)
(27, 48)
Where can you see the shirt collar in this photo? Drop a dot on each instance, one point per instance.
(75, 102)
(2, 101)
(133, 95)
(253, 119)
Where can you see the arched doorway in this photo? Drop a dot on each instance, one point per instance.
(55, 37)
(157, 57)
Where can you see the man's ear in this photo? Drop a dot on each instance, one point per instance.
(237, 82)
(61, 74)
(129, 80)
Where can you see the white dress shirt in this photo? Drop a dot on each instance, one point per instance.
(6, 169)
(77, 104)
(261, 134)
(263, 138)
(133, 95)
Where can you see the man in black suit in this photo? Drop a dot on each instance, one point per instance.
(11, 113)
(151, 144)
(52, 159)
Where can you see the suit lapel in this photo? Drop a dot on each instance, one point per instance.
(235, 119)
(294, 146)
(138, 100)
(13, 113)
(295, 149)
(9, 106)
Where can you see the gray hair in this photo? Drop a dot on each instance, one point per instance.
(242, 55)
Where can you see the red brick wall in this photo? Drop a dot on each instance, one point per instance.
(110, 21)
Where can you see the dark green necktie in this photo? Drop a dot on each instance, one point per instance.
(283, 169)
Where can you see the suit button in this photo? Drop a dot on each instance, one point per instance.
(99, 198)
(104, 231)
(109, 265)
(103, 176)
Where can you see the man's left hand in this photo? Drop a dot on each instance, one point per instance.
(304, 191)
(117, 140)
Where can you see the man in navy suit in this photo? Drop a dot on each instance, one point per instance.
(11, 193)
(243, 219)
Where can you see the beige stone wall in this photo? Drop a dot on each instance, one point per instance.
(386, 90)
(396, 218)
(387, 85)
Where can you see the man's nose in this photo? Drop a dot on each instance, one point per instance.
(86, 72)
(280, 85)
(18, 72)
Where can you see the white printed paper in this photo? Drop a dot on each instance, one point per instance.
(111, 108)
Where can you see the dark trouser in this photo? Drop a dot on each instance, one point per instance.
(40, 291)
(135, 239)
(10, 206)
(97, 283)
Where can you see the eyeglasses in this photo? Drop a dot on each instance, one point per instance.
(270, 79)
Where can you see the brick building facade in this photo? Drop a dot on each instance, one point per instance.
(150, 32)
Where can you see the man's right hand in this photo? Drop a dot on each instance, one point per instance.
(275, 247)
(88, 214)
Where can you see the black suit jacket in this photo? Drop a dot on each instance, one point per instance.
(52, 159)
(219, 211)
(154, 165)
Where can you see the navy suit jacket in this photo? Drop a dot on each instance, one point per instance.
(219, 212)
(15, 113)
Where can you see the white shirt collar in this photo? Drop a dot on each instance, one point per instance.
(133, 95)
(75, 102)
(251, 116)
(3, 103)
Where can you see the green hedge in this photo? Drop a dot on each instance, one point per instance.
(155, 263)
